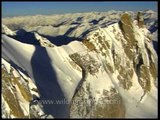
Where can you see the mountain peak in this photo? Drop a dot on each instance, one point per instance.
(7, 31)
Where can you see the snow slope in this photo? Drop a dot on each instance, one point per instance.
(44, 70)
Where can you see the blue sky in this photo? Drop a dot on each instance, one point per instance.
(33, 8)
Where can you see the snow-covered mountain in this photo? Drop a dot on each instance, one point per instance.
(111, 73)
(27, 37)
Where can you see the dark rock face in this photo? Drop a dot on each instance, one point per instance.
(127, 30)
(140, 20)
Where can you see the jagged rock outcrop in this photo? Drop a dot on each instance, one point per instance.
(125, 52)
(137, 51)
(140, 20)
(18, 92)
(109, 106)
(84, 103)
(86, 62)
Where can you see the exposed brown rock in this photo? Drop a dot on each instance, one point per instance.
(144, 79)
(140, 19)
(126, 25)
(10, 95)
(125, 77)
(88, 44)
(109, 106)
